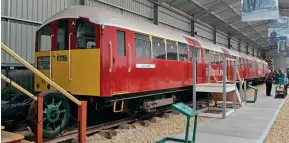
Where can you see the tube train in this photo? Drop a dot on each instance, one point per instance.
(116, 62)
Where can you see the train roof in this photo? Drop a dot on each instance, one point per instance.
(102, 16)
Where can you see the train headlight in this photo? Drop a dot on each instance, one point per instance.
(43, 62)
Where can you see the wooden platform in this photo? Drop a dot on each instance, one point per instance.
(214, 87)
(7, 137)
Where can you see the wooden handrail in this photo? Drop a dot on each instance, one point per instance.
(35, 71)
(18, 87)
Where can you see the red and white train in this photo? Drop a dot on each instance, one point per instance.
(113, 60)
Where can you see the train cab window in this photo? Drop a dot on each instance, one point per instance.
(172, 52)
(120, 43)
(62, 35)
(44, 39)
(142, 45)
(159, 51)
(183, 56)
(85, 36)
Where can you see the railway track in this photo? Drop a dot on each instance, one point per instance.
(90, 130)
(93, 129)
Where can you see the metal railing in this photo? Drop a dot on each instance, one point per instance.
(19, 87)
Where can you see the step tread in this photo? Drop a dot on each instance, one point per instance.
(9, 137)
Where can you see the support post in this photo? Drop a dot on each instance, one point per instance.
(209, 71)
(82, 122)
(156, 13)
(229, 41)
(187, 129)
(245, 91)
(234, 96)
(239, 46)
(194, 79)
(224, 86)
(247, 49)
(39, 122)
(215, 36)
(253, 52)
(195, 129)
(193, 28)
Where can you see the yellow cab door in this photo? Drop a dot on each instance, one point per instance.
(44, 38)
(60, 55)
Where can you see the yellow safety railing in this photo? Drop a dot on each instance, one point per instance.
(18, 87)
(35, 71)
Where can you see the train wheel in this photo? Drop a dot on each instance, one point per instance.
(56, 114)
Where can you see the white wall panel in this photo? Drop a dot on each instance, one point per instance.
(36, 10)
(234, 44)
(139, 9)
(222, 40)
(250, 51)
(203, 32)
(20, 39)
(243, 48)
(280, 62)
(175, 20)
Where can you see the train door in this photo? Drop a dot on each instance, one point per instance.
(240, 67)
(59, 60)
(121, 65)
(44, 45)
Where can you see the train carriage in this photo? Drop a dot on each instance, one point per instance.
(113, 60)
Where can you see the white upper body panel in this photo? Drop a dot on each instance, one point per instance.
(104, 17)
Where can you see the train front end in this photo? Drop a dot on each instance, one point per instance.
(67, 51)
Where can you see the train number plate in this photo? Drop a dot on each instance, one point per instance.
(62, 58)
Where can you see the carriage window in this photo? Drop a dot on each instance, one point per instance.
(121, 43)
(207, 56)
(44, 39)
(86, 36)
(238, 61)
(250, 63)
(215, 57)
(159, 51)
(199, 54)
(62, 35)
(142, 46)
(183, 52)
(232, 62)
(172, 52)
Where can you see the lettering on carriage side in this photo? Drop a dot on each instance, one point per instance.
(145, 66)
(217, 72)
(62, 58)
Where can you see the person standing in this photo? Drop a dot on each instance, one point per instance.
(268, 80)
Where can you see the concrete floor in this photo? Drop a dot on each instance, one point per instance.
(249, 124)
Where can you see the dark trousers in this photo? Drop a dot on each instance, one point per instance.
(268, 88)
